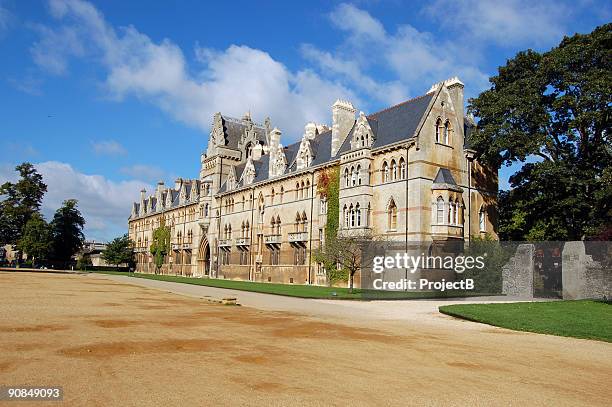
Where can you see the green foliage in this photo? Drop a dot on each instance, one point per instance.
(160, 245)
(579, 319)
(555, 107)
(119, 251)
(36, 239)
(84, 262)
(328, 185)
(496, 254)
(67, 229)
(20, 201)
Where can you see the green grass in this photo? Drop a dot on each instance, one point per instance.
(301, 291)
(579, 319)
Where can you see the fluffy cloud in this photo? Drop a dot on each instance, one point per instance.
(145, 172)
(234, 81)
(108, 147)
(105, 204)
(507, 23)
(416, 58)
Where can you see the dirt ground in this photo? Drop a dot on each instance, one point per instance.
(109, 343)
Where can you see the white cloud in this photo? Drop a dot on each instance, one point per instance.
(145, 172)
(416, 59)
(233, 81)
(105, 204)
(6, 17)
(507, 23)
(108, 147)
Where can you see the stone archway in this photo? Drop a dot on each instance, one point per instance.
(204, 258)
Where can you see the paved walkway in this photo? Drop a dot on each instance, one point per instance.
(408, 311)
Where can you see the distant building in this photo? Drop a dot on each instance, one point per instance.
(255, 212)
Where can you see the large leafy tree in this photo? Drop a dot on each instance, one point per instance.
(67, 229)
(36, 239)
(552, 111)
(20, 200)
(118, 251)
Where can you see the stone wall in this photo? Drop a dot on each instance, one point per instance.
(517, 275)
(584, 277)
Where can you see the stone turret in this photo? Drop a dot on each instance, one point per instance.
(343, 118)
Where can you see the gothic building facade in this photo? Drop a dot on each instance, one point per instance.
(256, 211)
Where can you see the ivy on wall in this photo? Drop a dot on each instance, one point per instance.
(328, 185)
(160, 246)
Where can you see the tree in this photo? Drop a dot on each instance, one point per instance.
(553, 108)
(160, 245)
(67, 229)
(118, 251)
(21, 200)
(36, 239)
(342, 256)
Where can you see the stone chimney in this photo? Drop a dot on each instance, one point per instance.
(343, 118)
(275, 135)
(310, 130)
(143, 193)
(160, 186)
(455, 88)
(178, 183)
(257, 152)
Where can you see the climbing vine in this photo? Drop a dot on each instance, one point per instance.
(160, 245)
(328, 185)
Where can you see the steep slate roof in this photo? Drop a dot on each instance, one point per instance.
(395, 123)
(321, 148)
(444, 176)
(234, 129)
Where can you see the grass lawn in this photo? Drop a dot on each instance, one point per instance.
(579, 319)
(301, 291)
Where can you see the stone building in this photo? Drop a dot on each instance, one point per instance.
(255, 212)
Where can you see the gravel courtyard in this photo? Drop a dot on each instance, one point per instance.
(108, 342)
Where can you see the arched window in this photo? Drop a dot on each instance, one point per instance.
(482, 219)
(358, 215)
(440, 210)
(447, 130)
(352, 211)
(242, 230)
(392, 215)
(272, 226)
(302, 189)
(451, 212)
(229, 228)
(278, 225)
(298, 219)
(358, 172)
(362, 141)
(438, 129)
(457, 206)
(304, 221)
(353, 177)
(272, 197)
(282, 191)
(385, 172)
(346, 217)
(297, 190)
(402, 165)
(393, 170)
(346, 177)
(306, 193)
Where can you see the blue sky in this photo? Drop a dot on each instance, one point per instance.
(108, 97)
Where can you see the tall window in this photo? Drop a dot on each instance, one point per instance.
(358, 172)
(457, 206)
(346, 178)
(451, 212)
(393, 170)
(438, 129)
(346, 217)
(353, 177)
(274, 255)
(402, 165)
(358, 215)
(272, 197)
(323, 205)
(392, 215)
(482, 221)
(282, 191)
(306, 193)
(447, 130)
(385, 172)
(352, 211)
(440, 211)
